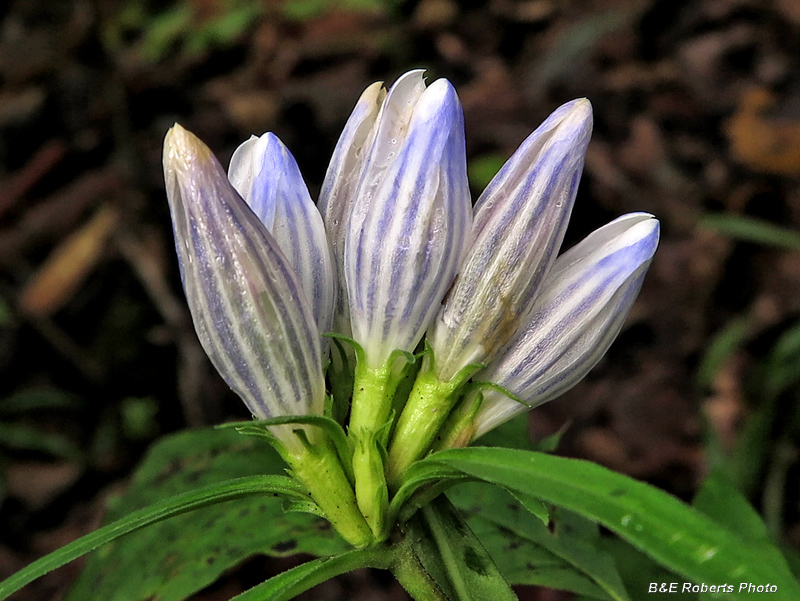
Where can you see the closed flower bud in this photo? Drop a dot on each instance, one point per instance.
(520, 221)
(585, 300)
(410, 217)
(338, 190)
(251, 315)
(265, 173)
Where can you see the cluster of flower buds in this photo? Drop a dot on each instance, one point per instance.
(394, 253)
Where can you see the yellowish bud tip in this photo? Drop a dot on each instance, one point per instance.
(581, 111)
(182, 149)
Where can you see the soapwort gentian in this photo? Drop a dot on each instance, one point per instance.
(394, 251)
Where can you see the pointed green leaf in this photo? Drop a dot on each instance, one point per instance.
(751, 229)
(528, 553)
(292, 582)
(454, 556)
(674, 534)
(173, 506)
(180, 556)
(719, 499)
(422, 482)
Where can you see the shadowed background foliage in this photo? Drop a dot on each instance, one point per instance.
(697, 120)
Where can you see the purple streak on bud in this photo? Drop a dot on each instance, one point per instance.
(520, 221)
(410, 220)
(247, 305)
(338, 190)
(265, 173)
(585, 300)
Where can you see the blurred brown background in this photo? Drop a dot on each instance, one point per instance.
(697, 116)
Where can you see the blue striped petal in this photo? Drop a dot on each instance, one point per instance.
(248, 308)
(266, 175)
(520, 221)
(410, 218)
(338, 189)
(585, 300)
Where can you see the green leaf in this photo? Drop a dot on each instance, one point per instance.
(139, 417)
(180, 556)
(750, 229)
(674, 534)
(292, 582)
(482, 169)
(724, 344)
(216, 493)
(638, 571)
(454, 556)
(37, 399)
(793, 559)
(16, 436)
(528, 553)
(781, 371)
(163, 30)
(535, 507)
(719, 499)
(328, 425)
(303, 10)
(513, 434)
(226, 28)
(422, 482)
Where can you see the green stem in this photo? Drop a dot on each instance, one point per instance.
(428, 406)
(399, 558)
(411, 574)
(784, 455)
(373, 392)
(319, 468)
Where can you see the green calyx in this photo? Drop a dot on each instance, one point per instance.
(370, 422)
(318, 467)
(372, 494)
(426, 410)
(350, 477)
(319, 459)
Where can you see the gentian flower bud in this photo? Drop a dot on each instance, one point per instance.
(337, 194)
(336, 198)
(265, 173)
(251, 315)
(408, 222)
(410, 217)
(520, 220)
(585, 300)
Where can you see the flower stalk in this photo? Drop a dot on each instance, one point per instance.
(428, 406)
(317, 466)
